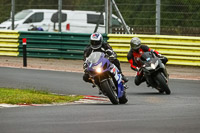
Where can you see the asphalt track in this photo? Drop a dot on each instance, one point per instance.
(146, 111)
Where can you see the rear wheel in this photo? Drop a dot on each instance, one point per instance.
(109, 92)
(160, 80)
(161, 91)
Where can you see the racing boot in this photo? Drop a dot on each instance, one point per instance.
(125, 79)
(125, 86)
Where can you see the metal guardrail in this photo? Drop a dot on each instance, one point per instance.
(9, 43)
(180, 50)
(55, 44)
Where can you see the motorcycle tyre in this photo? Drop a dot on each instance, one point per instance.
(161, 91)
(123, 99)
(162, 83)
(109, 92)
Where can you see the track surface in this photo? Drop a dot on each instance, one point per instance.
(146, 112)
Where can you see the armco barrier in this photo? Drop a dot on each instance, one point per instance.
(9, 43)
(55, 45)
(180, 50)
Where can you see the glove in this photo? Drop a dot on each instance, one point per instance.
(111, 58)
(160, 56)
(109, 52)
(164, 60)
(85, 65)
(135, 69)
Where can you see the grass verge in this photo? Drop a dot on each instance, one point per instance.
(31, 96)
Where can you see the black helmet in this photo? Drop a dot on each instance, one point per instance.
(135, 43)
(96, 40)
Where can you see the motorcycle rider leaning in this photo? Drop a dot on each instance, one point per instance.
(135, 53)
(98, 45)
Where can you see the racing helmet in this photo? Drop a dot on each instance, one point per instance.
(135, 43)
(96, 40)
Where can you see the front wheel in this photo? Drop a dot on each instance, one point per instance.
(162, 84)
(109, 92)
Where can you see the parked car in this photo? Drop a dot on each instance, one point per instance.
(72, 21)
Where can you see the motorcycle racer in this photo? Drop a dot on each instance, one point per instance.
(97, 44)
(134, 54)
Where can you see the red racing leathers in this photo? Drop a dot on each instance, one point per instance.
(133, 57)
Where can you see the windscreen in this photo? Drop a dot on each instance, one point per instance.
(146, 56)
(94, 57)
(21, 15)
(116, 22)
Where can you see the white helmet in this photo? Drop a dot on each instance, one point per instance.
(96, 40)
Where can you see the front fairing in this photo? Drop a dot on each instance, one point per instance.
(97, 61)
(151, 63)
(97, 64)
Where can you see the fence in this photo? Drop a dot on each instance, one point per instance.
(179, 17)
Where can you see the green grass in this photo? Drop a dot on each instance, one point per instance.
(31, 96)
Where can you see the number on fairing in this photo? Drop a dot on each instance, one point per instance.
(114, 70)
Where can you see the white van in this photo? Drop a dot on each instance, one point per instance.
(72, 21)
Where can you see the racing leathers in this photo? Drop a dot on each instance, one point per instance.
(134, 60)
